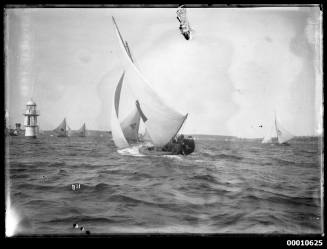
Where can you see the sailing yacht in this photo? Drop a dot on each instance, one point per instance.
(161, 121)
(63, 129)
(277, 134)
(82, 131)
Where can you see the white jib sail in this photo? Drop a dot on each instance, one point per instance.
(162, 122)
(116, 131)
(130, 125)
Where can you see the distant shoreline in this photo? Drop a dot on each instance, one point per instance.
(199, 135)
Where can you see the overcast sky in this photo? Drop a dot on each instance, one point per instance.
(240, 66)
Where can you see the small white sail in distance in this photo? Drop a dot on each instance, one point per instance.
(162, 122)
(282, 135)
(61, 130)
(82, 131)
(278, 132)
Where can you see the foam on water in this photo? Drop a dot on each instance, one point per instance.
(177, 157)
(131, 151)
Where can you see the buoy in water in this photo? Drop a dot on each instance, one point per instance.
(75, 225)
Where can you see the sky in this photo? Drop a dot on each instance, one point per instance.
(241, 65)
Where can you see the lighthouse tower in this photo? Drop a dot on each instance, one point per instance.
(30, 122)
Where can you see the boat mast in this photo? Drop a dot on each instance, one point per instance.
(125, 44)
(276, 127)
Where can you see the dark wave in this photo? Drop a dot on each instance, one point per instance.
(206, 178)
(140, 176)
(17, 170)
(57, 164)
(307, 201)
(129, 200)
(229, 157)
(43, 187)
(227, 219)
(207, 155)
(101, 186)
(81, 219)
(18, 176)
(284, 161)
(20, 195)
(42, 202)
(279, 197)
(62, 172)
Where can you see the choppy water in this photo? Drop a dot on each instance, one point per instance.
(226, 186)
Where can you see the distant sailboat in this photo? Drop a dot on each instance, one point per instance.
(161, 121)
(276, 131)
(82, 131)
(62, 129)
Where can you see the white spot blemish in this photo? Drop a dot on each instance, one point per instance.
(12, 220)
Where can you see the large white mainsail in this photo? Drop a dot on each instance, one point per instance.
(61, 130)
(162, 122)
(116, 131)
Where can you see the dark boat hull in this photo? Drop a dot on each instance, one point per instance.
(181, 146)
(151, 151)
